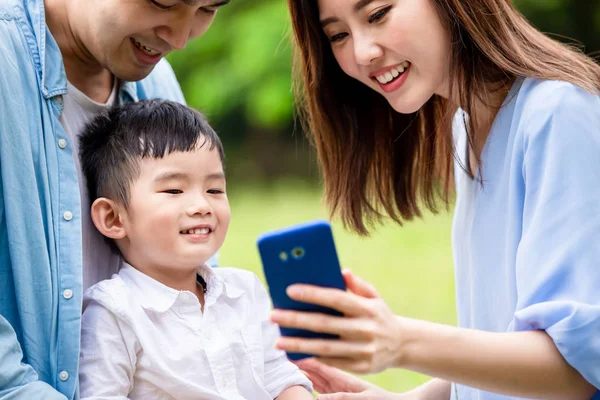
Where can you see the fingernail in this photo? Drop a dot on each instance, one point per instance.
(293, 291)
(274, 315)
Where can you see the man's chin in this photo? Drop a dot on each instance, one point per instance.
(133, 75)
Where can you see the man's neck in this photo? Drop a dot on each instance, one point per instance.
(83, 70)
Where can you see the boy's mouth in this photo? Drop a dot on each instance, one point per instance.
(197, 231)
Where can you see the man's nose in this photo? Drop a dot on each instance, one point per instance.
(178, 30)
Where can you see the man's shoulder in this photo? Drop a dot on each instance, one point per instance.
(11, 9)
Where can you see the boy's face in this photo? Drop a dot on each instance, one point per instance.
(178, 212)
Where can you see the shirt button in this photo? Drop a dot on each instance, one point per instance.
(67, 294)
(68, 215)
(63, 376)
(62, 143)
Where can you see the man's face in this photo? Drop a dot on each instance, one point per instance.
(129, 37)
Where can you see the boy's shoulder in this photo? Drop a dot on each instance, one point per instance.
(238, 281)
(112, 294)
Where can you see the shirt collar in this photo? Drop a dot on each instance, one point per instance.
(154, 295)
(45, 52)
(129, 92)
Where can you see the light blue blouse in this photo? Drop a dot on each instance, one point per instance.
(527, 241)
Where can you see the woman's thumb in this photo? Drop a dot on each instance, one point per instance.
(358, 286)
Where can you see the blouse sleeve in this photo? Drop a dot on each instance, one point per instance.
(558, 258)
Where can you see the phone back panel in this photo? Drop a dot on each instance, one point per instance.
(302, 253)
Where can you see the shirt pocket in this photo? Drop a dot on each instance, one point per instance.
(252, 336)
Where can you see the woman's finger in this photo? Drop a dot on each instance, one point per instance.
(350, 328)
(325, 347)
(310, 321)
(344, 396)
(347, 303)
(358, 366)
(330, 379)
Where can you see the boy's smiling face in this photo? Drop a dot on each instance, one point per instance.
(178, 212)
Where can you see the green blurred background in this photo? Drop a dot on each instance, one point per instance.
(239, 74)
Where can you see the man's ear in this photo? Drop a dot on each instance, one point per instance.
(106, 215)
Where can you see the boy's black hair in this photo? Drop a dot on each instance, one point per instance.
(114, 142)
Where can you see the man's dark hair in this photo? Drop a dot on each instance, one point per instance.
(114, 142)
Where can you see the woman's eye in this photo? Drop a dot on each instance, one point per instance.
(209, 11)
(160, 5)
(337, 37)
(173, 191)
(379, 14)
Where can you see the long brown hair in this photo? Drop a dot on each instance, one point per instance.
(378, 162)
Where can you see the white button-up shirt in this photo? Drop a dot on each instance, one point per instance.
(144, 340)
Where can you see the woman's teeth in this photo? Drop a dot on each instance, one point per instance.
(197, 231)
(147, 50)
(393, 73)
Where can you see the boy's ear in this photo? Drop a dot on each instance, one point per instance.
(106, 216)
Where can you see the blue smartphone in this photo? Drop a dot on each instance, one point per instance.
(302, 253)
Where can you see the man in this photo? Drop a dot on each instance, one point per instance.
(61, 62)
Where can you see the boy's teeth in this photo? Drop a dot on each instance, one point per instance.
(197, 231)
(393, 73)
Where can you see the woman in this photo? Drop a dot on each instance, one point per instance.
(405, 99)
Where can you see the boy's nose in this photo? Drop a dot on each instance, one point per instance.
(199, 206)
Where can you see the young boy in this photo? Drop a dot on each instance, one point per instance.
(167, 326)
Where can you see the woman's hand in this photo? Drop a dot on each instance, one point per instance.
(370, 333)
(333, 384)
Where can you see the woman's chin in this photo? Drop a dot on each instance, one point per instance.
(406, 105)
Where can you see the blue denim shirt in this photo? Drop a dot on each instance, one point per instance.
(40, 226)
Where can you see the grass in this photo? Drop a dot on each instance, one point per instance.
(411, 266)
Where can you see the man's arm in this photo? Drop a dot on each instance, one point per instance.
(17, 379)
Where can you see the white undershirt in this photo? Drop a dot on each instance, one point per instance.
(99, 261)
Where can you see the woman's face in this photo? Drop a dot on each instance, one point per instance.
(398, 48)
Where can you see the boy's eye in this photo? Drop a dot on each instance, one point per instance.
(379, 14)
(215, 191)
(173, 191)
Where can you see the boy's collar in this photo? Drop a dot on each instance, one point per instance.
(154, 295)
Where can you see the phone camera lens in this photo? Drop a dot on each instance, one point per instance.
(298, 252)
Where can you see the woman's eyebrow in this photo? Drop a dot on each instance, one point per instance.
(360, 4)
(194, 2)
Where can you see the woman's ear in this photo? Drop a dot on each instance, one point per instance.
(106, 215)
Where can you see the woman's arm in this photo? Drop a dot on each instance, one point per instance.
(522, 364)
(372, 339)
